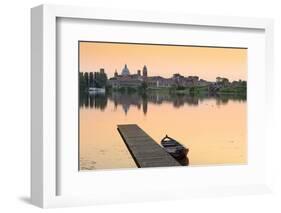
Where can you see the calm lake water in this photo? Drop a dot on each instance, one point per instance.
(213, 128)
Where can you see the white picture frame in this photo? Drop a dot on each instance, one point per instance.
(44, 149)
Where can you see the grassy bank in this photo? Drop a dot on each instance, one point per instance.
(233, 90)
(197, 90)
(190, 90)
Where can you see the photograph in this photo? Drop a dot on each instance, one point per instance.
(144, 105)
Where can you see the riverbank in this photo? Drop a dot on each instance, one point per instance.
(196, 90)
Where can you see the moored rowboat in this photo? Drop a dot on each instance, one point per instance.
(174, 148)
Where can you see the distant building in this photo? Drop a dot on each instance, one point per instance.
(144, 71)
(158, 81)
(102, 70)
(203, 82)
(125, 71)
(126, 79)
(192, 81)
(115, 74)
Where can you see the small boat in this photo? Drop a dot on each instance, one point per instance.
(94, 90)
(174, 148)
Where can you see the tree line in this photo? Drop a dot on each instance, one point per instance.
(92, 79)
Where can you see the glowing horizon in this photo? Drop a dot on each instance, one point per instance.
(164, 60)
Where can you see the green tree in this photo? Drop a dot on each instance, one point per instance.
(100, 79)
(91, 79)
(86, 79)
(191, 90)
(82, 82)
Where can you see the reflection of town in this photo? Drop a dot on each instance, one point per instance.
(140, 90)
(142, 101)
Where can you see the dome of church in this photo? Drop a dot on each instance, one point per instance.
(125, 71)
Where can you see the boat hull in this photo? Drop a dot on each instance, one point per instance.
(174, 148)
(179, 154)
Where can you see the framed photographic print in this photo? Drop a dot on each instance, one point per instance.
(183, 82)
(132, 105)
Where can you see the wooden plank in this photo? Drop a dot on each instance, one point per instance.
(144, 150)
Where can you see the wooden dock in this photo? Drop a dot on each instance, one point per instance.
(144, 150)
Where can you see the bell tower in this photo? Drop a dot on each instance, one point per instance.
(144, 71)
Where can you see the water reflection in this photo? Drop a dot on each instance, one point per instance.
(98, 101)
(213, 128)
(141, 101)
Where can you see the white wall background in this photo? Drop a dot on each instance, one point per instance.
(15, 104)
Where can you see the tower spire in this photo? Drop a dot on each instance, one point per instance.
(144, 71)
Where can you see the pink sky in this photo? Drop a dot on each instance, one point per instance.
(205, 62)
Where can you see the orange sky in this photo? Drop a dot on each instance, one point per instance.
(205, 62)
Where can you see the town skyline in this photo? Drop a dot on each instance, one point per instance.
(172, 74)
(205, 62)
